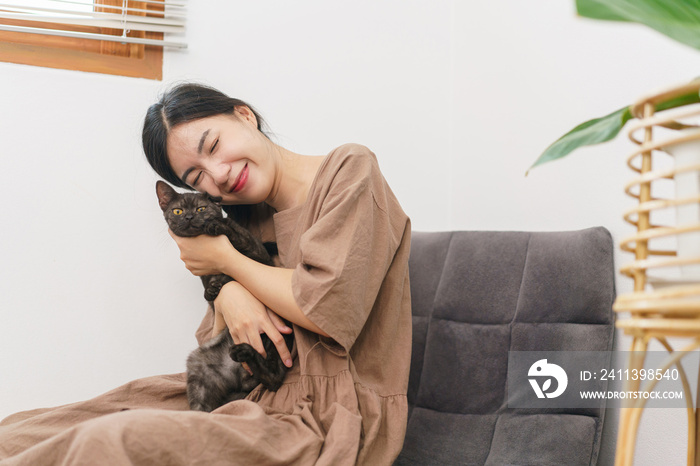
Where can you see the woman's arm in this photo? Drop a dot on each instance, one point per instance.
(271, 285)
(206, 255)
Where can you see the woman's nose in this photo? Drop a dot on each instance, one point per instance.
(220, 174)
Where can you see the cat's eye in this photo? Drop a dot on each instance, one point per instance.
(201, 209)
(177, 211)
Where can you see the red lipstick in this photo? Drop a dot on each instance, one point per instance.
(240, 180)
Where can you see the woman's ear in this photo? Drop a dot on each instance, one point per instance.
(245, 113)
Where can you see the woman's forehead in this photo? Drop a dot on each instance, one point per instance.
(182, 146)
(190, 130)
(188, 138)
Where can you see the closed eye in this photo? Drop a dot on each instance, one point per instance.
(214, 146)
(196, 180)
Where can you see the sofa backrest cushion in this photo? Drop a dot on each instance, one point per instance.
(478, 295)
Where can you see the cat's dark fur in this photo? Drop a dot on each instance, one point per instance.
(215, 375)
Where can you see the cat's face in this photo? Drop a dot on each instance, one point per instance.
(186, 213)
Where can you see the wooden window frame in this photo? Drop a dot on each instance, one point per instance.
(115, 58)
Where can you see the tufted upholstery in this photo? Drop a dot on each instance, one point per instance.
(477, 295)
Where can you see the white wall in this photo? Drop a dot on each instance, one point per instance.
(456, 98)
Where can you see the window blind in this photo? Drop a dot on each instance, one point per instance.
(166, 16)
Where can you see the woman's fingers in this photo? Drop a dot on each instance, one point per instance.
(247, 333)
(236, 339)
(278, 322)
(203, 254)
(246, 318)
(278, 340)
(255, 341)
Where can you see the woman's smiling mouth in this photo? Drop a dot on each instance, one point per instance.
(240, 180)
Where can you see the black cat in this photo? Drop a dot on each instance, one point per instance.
(215, 375)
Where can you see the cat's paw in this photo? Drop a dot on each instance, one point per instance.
(242, 353)
(215, 228)
(212, 291)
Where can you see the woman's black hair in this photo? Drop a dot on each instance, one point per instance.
(180, 104)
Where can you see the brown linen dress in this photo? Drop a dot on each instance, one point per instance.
(343, 401)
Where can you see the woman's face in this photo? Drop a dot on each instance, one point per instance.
(224, 155)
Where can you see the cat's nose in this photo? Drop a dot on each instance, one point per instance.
(189, 217)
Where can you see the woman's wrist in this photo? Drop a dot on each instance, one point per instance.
(228, 261)
(270, 285)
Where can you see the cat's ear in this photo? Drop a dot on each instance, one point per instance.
(165, 194)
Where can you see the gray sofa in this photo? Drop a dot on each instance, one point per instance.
(477, 295)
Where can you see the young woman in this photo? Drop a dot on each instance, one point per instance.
(343, 244)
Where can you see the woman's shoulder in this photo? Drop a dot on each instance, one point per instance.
(352, 150)
(353, 159)
(353, 168)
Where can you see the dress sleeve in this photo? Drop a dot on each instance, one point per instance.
(203, 333)
(347, 252)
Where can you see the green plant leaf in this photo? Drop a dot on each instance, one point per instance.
(597, 10)
(677, 19)
(590, 132)
(692, 98)
(602, 129)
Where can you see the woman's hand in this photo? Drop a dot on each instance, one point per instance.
(210, 255)
(203, 255)
(246, 318)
